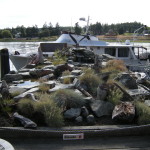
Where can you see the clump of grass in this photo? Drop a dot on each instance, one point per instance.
(87, 70)
(67, 80)
(67, 98)
(43, 87)
(59, 58)
(91, 81)
(115, 66)
(26, 107)
(114, 96)
(45, 108)
(51, 112)
(5, 106)
(66, 73)
(143, 112)
(15, 94)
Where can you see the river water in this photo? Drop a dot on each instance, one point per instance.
(24, 47)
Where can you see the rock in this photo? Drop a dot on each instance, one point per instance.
(147, 102)
(5, 93)
(49, 67)
(72, 113)
(76, 82)
(47, 63)
(4, 89)
(14, 91)
(84, 112)
(127, 81)
(48, 77)
(25, 75)
(30, 66)
(18, 82)
(102, 91)
(31, 96)
(40, 72)
(12, 77)
(124, 112)
(76, 72)
(12, 72)
(51, 84)
(61, 86)
(4, 85)
(79, 119)
(88, 100)
(102, 108)
(61, 68)
(90, 120)
(27, 123)
(28, 84)
(17, 98)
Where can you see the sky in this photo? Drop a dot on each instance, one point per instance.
(15, 13)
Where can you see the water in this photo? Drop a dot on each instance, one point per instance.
(24, 47)
(21, 47)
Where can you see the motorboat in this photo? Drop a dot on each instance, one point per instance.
(124, 51)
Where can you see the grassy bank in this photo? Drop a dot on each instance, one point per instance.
(51, 38)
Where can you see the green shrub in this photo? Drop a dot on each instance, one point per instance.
(143, 112)
(91, 81)
(114, 96)
(51, 112)
(67, 98)
(26, 107)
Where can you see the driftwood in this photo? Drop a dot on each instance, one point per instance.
(124, 91)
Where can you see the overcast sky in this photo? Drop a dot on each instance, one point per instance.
(68, 12)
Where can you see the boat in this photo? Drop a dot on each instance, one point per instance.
(124, 51)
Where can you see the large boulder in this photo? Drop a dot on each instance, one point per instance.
(124, 112)
(127, 81)
(61, 68)
(102, 108)
(40, 72)
(12, 77)
(72, 113)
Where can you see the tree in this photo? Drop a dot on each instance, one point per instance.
(6, 34)
(77, 28)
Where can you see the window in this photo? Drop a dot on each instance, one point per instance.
(123, 52)
(111, 51)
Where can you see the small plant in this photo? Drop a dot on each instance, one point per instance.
(59, 58)
(115, 96)
(87, 70)
(43, 87)
(26, 107)
(51, 112)
(66, 73)
(67, 98)
(91, 81)
(67, 80)
(115, 66)
(143, 112)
